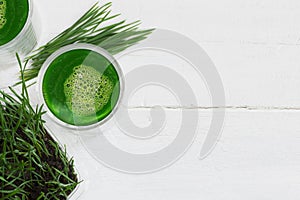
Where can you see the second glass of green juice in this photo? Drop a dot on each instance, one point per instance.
(17, 31)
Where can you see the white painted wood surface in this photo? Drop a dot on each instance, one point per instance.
(256, 49)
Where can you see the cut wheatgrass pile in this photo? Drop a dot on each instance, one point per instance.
(32, 164)
(94, 27)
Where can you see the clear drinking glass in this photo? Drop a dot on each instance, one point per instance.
(81, 86)
(24, 37)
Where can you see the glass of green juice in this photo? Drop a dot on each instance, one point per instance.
(17, 29)
(81, 86)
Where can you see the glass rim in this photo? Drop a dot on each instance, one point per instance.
(63, 50)
(25, 27)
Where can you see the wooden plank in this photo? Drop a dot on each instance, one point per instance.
(256, 157)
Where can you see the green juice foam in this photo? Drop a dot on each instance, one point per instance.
(87, 91)
(2, 13)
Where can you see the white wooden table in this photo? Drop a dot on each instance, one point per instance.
(255, 46)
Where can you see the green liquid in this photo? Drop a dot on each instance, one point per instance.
(81, 87)
(13, 17)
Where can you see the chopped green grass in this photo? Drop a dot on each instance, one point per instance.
(32, 164)
(91, 28)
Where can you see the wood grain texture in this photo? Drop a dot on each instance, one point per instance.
(256, 157)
